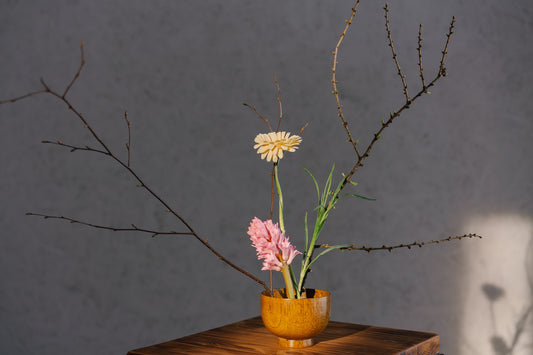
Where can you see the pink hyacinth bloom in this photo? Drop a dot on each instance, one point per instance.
(271, 244)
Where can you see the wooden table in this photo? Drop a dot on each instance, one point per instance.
(250, 337)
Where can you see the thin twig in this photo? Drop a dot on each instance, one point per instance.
(394, 56)
(278, 98)
(419, 50)
(73, 148)
(252, 107)
(442, 69)
(23, 96)
(133, 228)
(335, 82)
(303, 128)
(128, 145)
(408, 246)
(82, 63)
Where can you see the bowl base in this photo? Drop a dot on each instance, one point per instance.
(295, 344)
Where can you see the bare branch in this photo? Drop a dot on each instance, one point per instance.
(73, 148)
(394, 56)
(24, 96)
(278, 98)
(126, 166)
(395, 114)
(303, 128)
(335, 82)
(82, 63)
(442, 69)
(408, 246)
(419, 50)
(252, 107)
(133, 228)
(128, 145)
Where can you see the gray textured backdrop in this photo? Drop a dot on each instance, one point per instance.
(459, 161)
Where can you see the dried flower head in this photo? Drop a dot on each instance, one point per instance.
(271, 244)
(272, 145)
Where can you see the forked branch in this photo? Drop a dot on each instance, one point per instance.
(395, 114)
(126, 165)
(361, 154)
(133, 228)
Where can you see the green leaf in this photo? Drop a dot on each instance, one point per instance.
(334, 247)
(327, 188)
(316, 183)
(359, 196)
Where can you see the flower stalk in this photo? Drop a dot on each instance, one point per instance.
(289, 287)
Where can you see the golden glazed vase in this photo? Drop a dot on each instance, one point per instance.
(296, 321)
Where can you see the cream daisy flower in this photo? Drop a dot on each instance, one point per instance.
(271, 145)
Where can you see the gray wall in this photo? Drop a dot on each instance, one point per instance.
(459, 161)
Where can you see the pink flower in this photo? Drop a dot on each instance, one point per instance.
(271, 244)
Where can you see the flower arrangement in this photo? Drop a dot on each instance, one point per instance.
(270, 239)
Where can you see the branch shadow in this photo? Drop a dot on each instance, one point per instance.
(507, 345)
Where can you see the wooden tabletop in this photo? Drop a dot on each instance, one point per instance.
(250, 337)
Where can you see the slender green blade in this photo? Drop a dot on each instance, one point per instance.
(359, 196)
(334, 247)
(316, 183)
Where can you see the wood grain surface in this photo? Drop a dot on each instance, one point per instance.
(251, 337)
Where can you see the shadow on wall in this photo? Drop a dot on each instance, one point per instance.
(498, 282)
(501, 343)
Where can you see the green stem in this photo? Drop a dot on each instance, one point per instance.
(288, 281)
(294, 282)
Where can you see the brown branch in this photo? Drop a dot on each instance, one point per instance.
(82, 63)
(442, 69)
(126, 166)
(23, 96)
(408, 246)
(128, 145)
(394, 56)
(252, 107)
(133, 228)
(303, 128)
(335, 82)
(77, 113)
(278, 98)
(419, 50)
(395, 114)
(73, 148)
